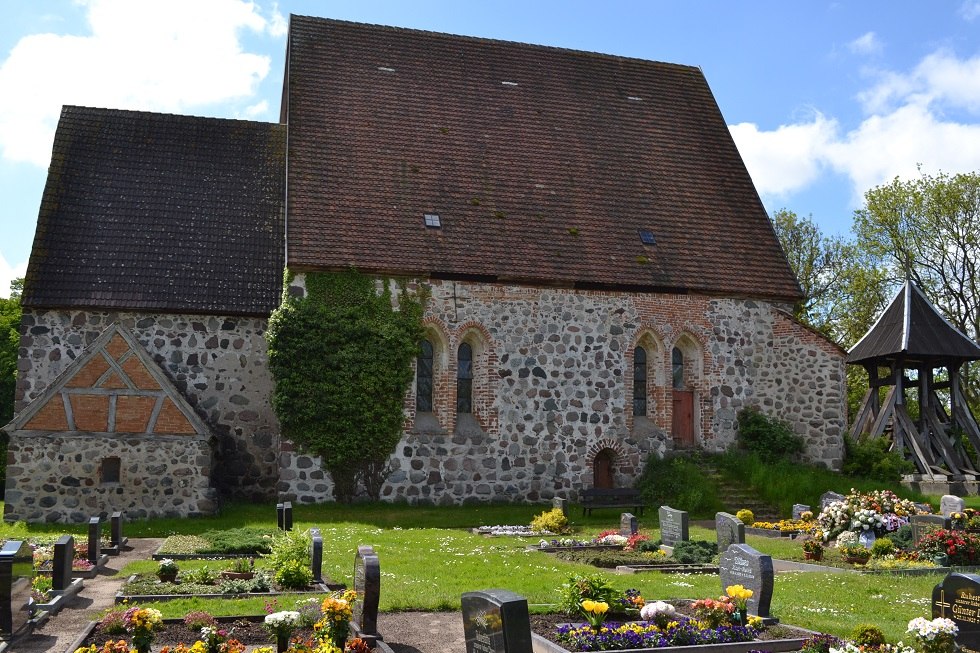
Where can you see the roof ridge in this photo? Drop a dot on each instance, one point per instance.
(161, 114)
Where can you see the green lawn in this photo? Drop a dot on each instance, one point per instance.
(429, 558)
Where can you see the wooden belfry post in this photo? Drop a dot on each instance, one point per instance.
(911, 335)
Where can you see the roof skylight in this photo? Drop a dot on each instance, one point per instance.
(433, 221)
(647, 238)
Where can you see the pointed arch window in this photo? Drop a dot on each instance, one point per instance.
(423, 378)
(464, 379)
(639, 382)
(677, 368)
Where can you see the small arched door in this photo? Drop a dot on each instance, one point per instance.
(602, 470)
(682, 421)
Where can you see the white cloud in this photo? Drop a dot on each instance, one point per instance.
(970, 9)
(908, 124)
(8, 273)
(867, 43)
(255, 111)
(170, 56)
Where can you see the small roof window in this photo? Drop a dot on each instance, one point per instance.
(646, 237)
(433, 221)
(505, 83)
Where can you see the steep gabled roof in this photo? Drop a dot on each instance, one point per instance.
(113, 387)
(543, 164)
(912, 329)
(160, 212)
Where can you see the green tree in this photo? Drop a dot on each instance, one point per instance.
(342, 360)
(9, 344)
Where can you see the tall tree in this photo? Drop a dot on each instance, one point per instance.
(9, 344)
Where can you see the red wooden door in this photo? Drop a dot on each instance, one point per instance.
(602, 474)
(682, 426)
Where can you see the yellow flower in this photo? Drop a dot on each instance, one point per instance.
(738, 592)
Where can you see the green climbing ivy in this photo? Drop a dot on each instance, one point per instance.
(342, 359)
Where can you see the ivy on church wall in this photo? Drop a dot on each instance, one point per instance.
(341, 357)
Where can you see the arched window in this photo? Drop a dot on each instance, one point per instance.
(639, 382)
(423, 379)
(677, 368)
(464, 379)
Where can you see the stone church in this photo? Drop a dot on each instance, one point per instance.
(605, 283)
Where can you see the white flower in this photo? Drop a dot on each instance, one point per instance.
(283, 618)
(651, 611)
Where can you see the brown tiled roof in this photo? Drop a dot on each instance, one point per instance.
(543, 164)
(160, 212)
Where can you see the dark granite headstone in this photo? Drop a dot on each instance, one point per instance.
(64, 556)
(729, 530)
(799, 509)
(628, 525)
(94, 539)
(367, 584)
(830, 497)
(116, 538)
(673, 526)
(958, 598)
(950, 504)
(743, 565)
(561, 504)
(16, 576)
(922, 524)
(284, 516)
(316, 554)
(496, 621)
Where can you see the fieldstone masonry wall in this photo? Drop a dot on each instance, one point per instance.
(553, 384)
(218, 364)
(162, 477)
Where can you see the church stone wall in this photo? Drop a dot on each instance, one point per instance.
(553, 386)
(218, 363)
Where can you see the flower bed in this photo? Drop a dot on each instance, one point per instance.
(512, 531)
(146, 587)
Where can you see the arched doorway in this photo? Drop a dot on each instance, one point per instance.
(682, 421)
(602, 469)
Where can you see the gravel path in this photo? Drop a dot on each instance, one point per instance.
(405, 632)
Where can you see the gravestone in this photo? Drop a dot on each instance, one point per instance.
(116, 539)
(828, 498)
(94, 539)
(729, 530)
(367, 585)
(958, 598)
(628, 525)
(64, 556)
(284, 516)
(922, 524)
(316, 554)
(560, 504)
(799, 509)
(496, 621)
(743, 565)
(16, 576)
(950, 504)
(673, 526)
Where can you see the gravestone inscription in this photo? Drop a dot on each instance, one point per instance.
(950, 504)
(64, 555)
(367, 585)
(830, 497)
(496, 621)
(673, 526)
(799, 509)
(958, 598)
(628, 525)
(16, 576)
(94, 539)
(729, 530)
(743, 565)
(922, 524)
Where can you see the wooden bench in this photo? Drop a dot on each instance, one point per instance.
(610, 498)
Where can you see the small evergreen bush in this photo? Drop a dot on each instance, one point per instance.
(238, 540)
(882, 547)
(553, 521)
(766, 436)
(294, 575)
(902, 538)
(694, 552)
(745, 516)
(867, 635)
(871, 458)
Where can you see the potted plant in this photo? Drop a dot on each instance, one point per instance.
(812, 550)
(240, 569)
(167, 571)
(855, 555)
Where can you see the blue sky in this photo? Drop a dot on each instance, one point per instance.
(825, 99)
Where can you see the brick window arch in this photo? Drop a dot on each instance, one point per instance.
(677, 369)
(423, 377)
(639, 382)
(464, 378)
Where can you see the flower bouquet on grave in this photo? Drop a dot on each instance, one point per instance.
(855, 554)
(714, 612)
(740, 597)
(813, 549)
(281, 626)
(658, 612)
(142, 624)
(935, 636)
(338, 611)
(167, 571)
(594, 612)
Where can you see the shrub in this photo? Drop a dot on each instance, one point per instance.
(867, 635)
(290, 546)
(871, 458)
(579, 588)
(649, 545)
(201, 575)
(678, 481)
(745, 516)
(238, 540)
(768, 437)
(902, 538)
(113, 622)
(882, 547)
(694, 552)
(553, 521)
(294, 575)
(198, 619)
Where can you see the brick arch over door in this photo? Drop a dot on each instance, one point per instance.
(624, 463)
(686, 385)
